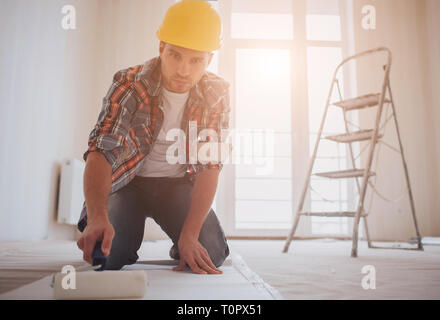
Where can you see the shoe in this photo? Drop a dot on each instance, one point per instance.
(174, 252)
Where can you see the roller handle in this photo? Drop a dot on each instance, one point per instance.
(98, 256)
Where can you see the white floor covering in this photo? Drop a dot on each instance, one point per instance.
(324, 269)
(237, 282)
(312, 269)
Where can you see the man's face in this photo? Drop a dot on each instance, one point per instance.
(182, 68)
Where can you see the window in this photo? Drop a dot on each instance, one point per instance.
(326, 195)
(261, 19)
(323, 20)
(261, 75)
(280, 55)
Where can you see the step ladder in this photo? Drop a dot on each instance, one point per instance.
(377, 100)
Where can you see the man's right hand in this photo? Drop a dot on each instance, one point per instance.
(98, 229)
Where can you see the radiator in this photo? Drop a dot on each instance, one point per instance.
(71, 194)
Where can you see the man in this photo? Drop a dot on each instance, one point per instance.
(127, 176)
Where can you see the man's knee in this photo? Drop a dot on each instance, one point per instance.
(218, 258)
(217, 248)
(213, 239)
(116, 261)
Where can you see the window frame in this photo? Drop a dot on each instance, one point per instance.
(225, 198)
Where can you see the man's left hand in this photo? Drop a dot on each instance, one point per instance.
(193, 254)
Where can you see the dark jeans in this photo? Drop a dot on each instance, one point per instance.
(167, 201)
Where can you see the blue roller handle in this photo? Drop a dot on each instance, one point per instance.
(98, 257)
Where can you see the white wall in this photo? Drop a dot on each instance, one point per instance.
(409, 29)
(432, 69)
(51, 88)
(32, 135)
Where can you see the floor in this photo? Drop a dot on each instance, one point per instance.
(312, 269)
(324, 269)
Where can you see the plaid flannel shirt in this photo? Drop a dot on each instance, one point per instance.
(131, 118)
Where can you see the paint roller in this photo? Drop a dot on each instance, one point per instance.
(105, 284)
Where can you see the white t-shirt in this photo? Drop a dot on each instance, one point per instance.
(155, 163)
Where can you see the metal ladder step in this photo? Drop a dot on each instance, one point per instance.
(356, 136)
(365, 101)
(352, 173)
(332, 214)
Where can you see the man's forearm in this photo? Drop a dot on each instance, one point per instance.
(97, 184)
(203, 194)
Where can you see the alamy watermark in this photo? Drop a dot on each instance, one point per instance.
(69, 280)
(369, 17)
(251, 147)
(369, 280)
(68, 22)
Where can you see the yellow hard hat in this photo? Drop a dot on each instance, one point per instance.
(192, 24)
